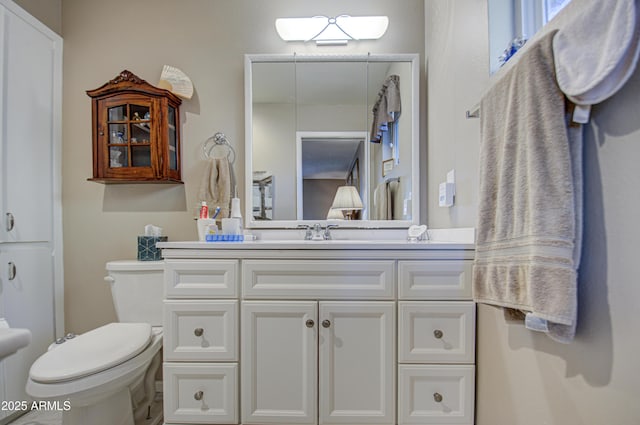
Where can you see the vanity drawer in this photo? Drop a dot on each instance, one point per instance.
(201, 278)
(310, 279)
(438, 280)
(200, 393)
(436, 394)
(436, 332)
(200, 330)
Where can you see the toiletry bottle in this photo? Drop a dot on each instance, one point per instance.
(235, 212)
(204, 210)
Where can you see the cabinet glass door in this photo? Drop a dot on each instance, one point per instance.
(173, 140)
(129, 141)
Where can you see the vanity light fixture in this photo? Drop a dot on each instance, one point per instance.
(347, 200)
(332, 31)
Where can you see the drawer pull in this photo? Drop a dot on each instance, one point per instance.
(198, 396)
(310, 323)
(326, 323)
(198, 332)
(438, 333)
(437, 397)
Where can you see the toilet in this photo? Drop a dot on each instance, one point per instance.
(107, 376)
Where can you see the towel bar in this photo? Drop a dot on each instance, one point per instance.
(474, 112)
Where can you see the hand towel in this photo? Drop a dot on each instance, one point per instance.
(526, 240)
(215, 187)
(595, 50)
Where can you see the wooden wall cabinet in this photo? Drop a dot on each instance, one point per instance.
(136, 132)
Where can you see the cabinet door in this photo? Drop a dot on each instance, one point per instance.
(26, 293)
(279, 362)
(27, 122)
(357, 362)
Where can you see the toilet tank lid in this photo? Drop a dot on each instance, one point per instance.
(92, 352)
(134, 265)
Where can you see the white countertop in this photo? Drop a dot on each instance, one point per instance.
(439, 239)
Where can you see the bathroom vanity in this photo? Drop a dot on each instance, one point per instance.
(308, 332)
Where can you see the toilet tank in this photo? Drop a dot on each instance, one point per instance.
(137, 289)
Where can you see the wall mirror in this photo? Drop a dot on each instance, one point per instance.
(332, 139)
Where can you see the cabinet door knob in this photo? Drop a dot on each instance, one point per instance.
(10, 222)
(12, 270)
(310, 323)
(198, 331)
(198, 396)
(437, 397)
(326, 323)
(438, 333)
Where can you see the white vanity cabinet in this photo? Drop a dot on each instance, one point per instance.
(260, 333)
(200, 342)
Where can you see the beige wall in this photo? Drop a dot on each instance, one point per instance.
(207, 40)
(49, 12)
(524, 378)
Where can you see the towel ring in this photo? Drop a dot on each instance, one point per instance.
(217, 146)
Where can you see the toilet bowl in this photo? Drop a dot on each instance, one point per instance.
(107, 376)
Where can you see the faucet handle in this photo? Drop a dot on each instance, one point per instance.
(308, 234)
(327, 231)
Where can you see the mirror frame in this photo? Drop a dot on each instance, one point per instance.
(412, 58)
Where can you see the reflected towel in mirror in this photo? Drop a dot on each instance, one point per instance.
(382, 202)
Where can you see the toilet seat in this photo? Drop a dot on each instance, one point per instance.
(92, 352)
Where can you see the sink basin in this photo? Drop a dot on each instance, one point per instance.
(13, 339)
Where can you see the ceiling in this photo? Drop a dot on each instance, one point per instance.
(328, 158)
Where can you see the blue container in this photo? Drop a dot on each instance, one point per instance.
(147, 250)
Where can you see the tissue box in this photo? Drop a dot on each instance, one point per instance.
(147, 250)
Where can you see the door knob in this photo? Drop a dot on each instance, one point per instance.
(438, 333)
(198, 396)
(198, 331)
(326, 323)
(309, 323)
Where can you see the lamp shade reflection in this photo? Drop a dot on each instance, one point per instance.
(347, 200)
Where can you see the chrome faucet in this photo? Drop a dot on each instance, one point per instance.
(315, 232)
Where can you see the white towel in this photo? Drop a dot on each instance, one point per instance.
(527, 214)
(596, 49)
(382, 202)
(215, 187)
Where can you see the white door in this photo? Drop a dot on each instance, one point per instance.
(27, 123)
(279, 362)
(26, 293)
(357, 362)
